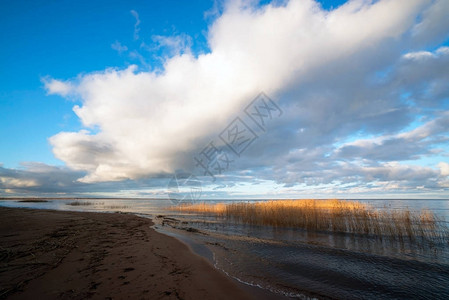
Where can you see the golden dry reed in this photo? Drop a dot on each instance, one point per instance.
(330, 215)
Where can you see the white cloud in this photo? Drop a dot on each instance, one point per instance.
(39, 179)
(17, 183)
(443, 51)
(175, 45)
(434, 24)
(419, 55)
(444, 168)
(402, 146)
(426, 55)
(424, 74)
(317, 62)
(136, 25)
(117, 46)
(59, 87)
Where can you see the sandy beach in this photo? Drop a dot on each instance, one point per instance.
(72, 255)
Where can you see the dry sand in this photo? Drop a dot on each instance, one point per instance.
(72, 255)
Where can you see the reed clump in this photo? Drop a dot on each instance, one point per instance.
(330, 215)
(84, 203)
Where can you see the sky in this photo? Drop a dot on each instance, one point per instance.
(230, 99)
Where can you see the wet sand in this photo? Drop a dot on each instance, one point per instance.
(72, 255)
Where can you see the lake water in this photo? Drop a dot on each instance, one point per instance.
(297, 263)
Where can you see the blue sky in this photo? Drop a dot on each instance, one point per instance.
(64, 39)
(114, 97)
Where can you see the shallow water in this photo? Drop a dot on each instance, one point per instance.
(298, 263)
(298, 269)
(301, 264)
